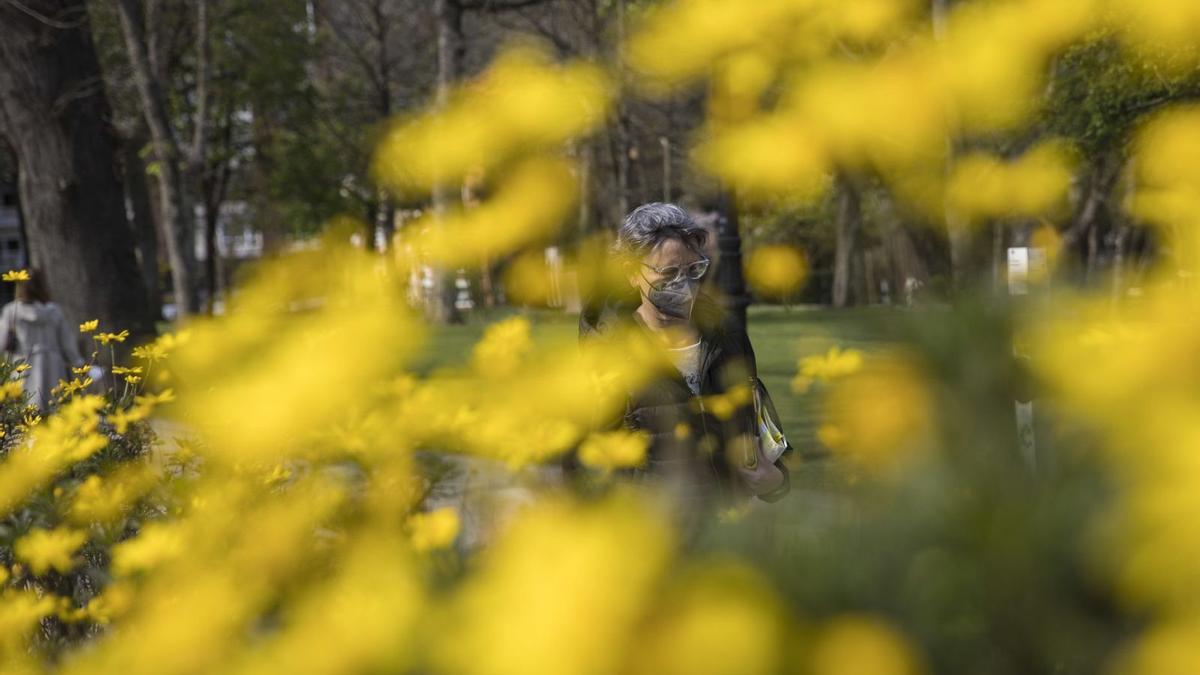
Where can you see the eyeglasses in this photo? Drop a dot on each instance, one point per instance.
(671, 273)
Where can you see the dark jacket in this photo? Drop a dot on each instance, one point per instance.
(688, 441)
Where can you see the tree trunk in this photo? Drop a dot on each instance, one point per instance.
(849, 221)
(1120, 246)
(212, 217)
(957, 232)
(621, 138)
(141, 209)
(178, 216)
(440, 305)
(54, 113)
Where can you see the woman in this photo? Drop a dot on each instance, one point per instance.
(35, 330)
(662, 251)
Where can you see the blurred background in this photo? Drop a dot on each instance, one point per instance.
(350, 241)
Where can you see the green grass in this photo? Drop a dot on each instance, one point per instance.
(780, 337)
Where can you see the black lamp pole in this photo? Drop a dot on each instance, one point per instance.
(729, 267)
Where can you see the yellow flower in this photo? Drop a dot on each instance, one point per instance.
(122, 370)
(11, 389)
(121, 419)
(503, 347)
(435, 529)
(20, 612)
(164, 396)
(133, 379)
(116, 600)
(67, 389)
(16, 275)
(105, 499)
(718, 618)
(863, 644)
(776, 271)
(880, 417)
(511, 619)
(45, 549)
(836, 363)
(151, 352)
(614, 449)
(21, 367)
(156, 544)
(31, 419)
(723, 406)
(1035, 184)
(105, 338)
(89, 326)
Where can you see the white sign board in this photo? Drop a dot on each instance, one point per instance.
(1025, 266)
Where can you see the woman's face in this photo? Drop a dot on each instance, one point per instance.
(671, 296)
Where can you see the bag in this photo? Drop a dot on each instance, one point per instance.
(757, 469)
(771, 440)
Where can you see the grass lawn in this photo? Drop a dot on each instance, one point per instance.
(780, 337)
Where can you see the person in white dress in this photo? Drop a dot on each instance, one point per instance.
(35, 331)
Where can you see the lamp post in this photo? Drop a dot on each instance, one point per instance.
(729, 279)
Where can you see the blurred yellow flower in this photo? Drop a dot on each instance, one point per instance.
(16, 275)
(834, 364)
(862, 645)
(776, 271)
(881, 416)
(46, 549)
(20, 612)
(68, 436)
(614, 450)
(1165, 31)
(716, 618)
(102, 500)
(115, 601)
(89, 326)
(12, 389)
(560, 592)
(1034, 184)
(530, 202)
(435, 529)
(773, 157)
(531, 103)
(504, 346)
(155, 544)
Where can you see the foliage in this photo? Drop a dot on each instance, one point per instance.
(307, 527)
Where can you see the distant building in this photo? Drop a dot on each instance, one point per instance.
(236, 238)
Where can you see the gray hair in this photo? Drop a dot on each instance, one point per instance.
(650, 224)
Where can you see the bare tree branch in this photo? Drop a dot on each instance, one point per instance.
(199, 137)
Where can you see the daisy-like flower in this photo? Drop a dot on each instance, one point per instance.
(16, 275)
(105, 338)
(89, 326)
